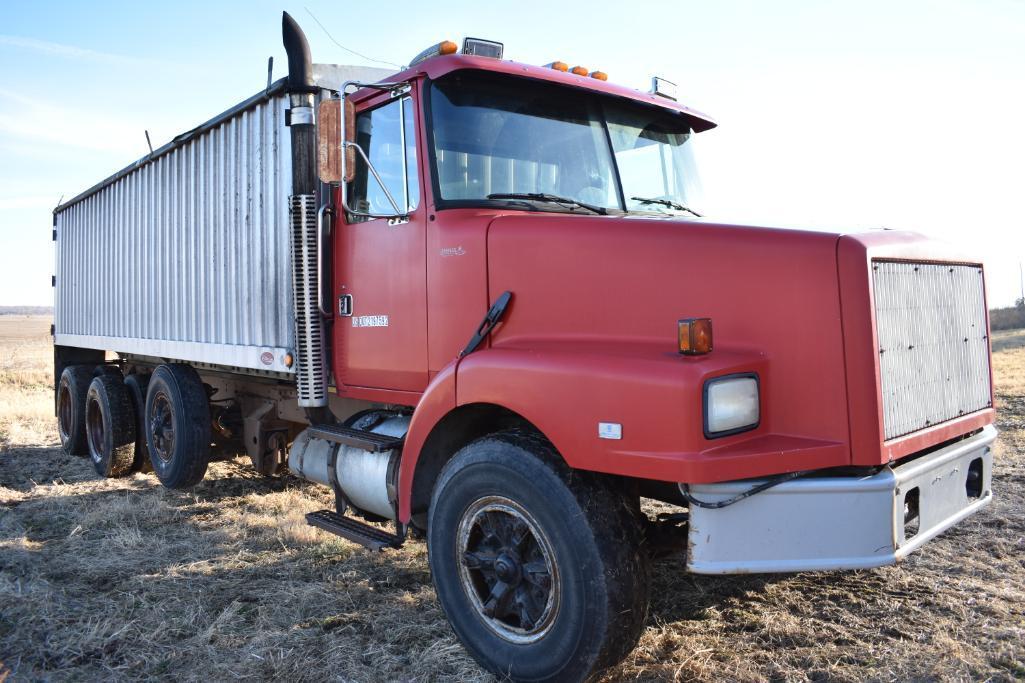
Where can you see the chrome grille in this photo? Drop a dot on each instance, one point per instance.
(933, 343)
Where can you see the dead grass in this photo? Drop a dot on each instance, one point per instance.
(124, 579)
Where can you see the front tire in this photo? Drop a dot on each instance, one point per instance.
(177, 426)
(110, 425)
(538, 567)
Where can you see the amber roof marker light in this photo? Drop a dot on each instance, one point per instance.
(557, 65)
(694, 336)
(445, 47)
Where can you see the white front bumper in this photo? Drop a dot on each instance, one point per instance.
(824, 523)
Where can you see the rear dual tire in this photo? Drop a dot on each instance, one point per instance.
(177, 424)
(137, 385)
(110, 425)
(71, 393)
(137, 423)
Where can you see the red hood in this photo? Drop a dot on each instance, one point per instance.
(775, 294)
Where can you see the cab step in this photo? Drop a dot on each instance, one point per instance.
(368, 441)
(353, 530)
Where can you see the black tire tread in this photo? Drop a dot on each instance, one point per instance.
(192, 432)
(137, 385)
(612, 516)
(78, 379)
(119, 418)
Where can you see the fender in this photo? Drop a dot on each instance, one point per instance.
(564, 388)
(439, 399)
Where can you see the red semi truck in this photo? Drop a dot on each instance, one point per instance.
(473, 299)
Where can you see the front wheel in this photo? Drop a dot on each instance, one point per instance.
(538, 567)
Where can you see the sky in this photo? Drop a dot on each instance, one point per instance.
(866, 114)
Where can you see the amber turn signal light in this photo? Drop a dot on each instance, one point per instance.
(695, 336)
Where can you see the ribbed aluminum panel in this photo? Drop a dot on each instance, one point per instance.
(187, 257)
(933, 343)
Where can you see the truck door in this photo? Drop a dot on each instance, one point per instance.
(380, 291)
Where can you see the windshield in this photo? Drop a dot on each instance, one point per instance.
(508, 136)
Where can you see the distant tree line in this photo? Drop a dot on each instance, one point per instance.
(26, 310)
(1008, 318)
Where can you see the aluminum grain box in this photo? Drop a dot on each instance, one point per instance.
(184, 255)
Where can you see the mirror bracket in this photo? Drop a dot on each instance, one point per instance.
(348, 149)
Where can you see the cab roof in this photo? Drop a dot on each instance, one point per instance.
(438, 67)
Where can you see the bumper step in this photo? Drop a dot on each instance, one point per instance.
(353, 530)
(368, 441)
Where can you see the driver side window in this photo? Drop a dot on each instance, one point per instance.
(387, 135)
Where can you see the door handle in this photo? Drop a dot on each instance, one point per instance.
(324, 210)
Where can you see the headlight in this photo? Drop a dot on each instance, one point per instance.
(731, 405)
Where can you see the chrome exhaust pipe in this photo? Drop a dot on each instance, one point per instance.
(310, 338)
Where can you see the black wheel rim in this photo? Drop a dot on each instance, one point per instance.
(161, 428)
(94, 429)
(64, 413)
(507, 569)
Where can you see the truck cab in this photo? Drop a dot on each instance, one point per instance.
(504, 324)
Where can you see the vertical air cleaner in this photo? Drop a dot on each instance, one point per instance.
(311, 375)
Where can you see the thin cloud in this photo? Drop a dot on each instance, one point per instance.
(68, 51)
(68, 127)
(28, 202)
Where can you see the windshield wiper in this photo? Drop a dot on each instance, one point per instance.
(666, 202)
(545, 197)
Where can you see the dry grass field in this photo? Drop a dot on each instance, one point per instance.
(122, 579)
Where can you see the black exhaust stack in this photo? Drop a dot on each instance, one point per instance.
(300, 65)
(310, 340)
(300, 91)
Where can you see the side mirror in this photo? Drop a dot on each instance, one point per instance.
(329, 141)
(330, 144)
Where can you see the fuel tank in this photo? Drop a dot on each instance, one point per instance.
(366, 479)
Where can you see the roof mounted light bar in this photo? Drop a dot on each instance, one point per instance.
(663, 88)
(483, 48)
(471, 46)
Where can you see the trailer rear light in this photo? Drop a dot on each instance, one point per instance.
(600, 75)
(445, 47)
(694, 336)
(558, 66)
(482, 48)
(731, 405)
(579, 70)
